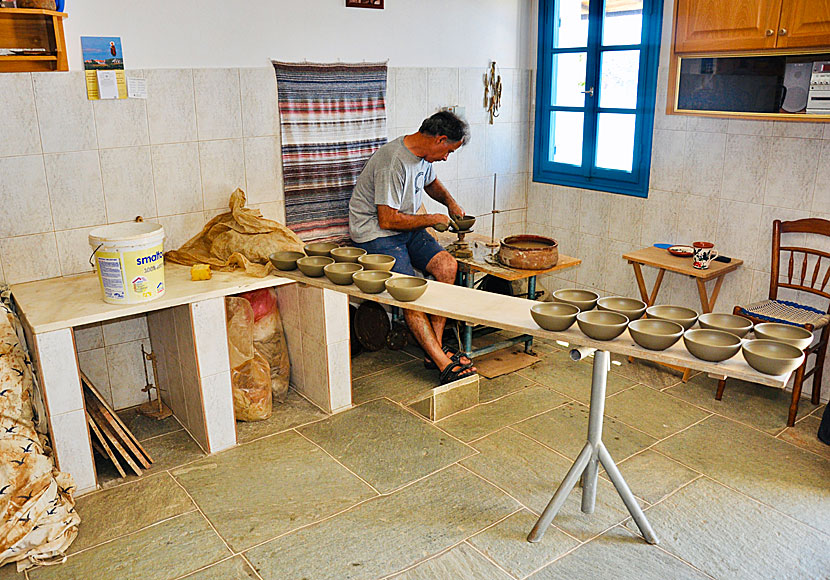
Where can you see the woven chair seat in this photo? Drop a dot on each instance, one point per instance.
(786, 312)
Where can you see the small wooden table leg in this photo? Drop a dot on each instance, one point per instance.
(653, 298)
(708, 302)
(641, 283)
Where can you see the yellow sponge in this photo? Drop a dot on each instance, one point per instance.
(200, 272)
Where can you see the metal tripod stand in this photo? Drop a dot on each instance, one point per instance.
(587, 463)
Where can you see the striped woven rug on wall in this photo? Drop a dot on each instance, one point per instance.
(332, 118)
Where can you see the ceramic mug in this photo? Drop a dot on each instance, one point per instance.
(704, 252)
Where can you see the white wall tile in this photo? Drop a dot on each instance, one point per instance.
(177, 178)
(667, 160)
(210, 334)
(128, 183)
(171, 106)
(60, 381)
(263, 169)
(594, 213)
(703, 166)
(792, 172)
(738, 229)
(626, 219)
(288, 302)
(442, 88)
(340, 375)
(294, 342)
(472, 158)
(696, 221)
(498, 153)
(74, 251)
(25, 197)
(272, 211)
(28, 258)
(745, 170)
(260, 116)
(750, 127)
(126, 371)
(391, 122)
(75, 190)
(315, 371)
(411, 96)
(64, 114)
(801, 130)
(70, 436)
(93, 364)
(336, 306)
(218, 406)
(18, 123)
(88, 337)
(223, 170)
(218, 104)
(821, 196)
(471, 94)
(312, 311)
(180, 228)
(125, 329)
(121, 122)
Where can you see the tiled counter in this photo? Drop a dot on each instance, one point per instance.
(188, 333)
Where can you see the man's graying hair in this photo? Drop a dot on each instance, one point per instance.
(446, 123)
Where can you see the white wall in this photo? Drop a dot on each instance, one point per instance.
(233, 33)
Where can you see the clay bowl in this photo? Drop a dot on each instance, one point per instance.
(602, 324)
(371, 281)
(285, 261)
(556, 316)
(737, 325)
(341, 273)
(347, 254)
(319, 249)
(406, 288)
(686, 317)
(794, 335)
(772, 357)
(312, 266)
(655, 334)
(630, 307)
(582, 299)
(711, 345)
(376, 262)
(464, 223)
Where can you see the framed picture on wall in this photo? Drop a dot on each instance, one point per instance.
(364, 4)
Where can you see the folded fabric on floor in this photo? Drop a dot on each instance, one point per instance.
(332, 119)
(38, 520)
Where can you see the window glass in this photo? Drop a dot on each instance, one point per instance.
(619, 76)
(566, 137)
(615, 141)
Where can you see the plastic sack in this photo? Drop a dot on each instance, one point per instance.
(240, 239)
(268, 338)
(250, 372)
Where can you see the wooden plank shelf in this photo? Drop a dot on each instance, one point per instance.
(24, 28)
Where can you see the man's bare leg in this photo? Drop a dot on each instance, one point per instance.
(422, 328)
(444, 268)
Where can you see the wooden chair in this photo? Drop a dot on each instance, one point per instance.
(811, 279)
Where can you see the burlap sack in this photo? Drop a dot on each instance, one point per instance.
(239, 239)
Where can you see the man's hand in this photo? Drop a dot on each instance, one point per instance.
(440, 219)
(456, 210)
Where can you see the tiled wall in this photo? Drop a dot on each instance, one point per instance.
(711, 179)
(68, 165)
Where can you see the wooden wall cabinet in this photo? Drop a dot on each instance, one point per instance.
(747, 25)
(40, 32)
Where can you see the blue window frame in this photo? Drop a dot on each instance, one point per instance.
(595, 91)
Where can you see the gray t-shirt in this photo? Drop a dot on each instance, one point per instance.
(393, 176)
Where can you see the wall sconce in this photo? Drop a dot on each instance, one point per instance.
(492, 92)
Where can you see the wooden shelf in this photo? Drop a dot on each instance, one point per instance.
(22, 28)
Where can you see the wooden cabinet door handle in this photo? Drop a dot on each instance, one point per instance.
(782, 32)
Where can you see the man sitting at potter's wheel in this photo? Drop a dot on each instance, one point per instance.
(383, 220)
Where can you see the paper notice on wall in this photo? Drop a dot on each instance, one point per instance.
(107, 84)
(103, 54)
(136, 88)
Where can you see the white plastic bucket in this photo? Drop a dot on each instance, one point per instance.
(129, 258)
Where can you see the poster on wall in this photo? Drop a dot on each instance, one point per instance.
(104, 67)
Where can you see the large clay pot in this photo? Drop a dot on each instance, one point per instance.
(529, 252)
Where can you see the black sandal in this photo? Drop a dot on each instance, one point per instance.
(449, 375)
(429, 364)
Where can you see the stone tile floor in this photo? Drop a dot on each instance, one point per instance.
(378, 492)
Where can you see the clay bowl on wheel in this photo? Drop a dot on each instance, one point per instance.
(319, 249)
(377, 262)
(556, 316)
(711, 345)
(772, 357)
(630, 307)
(371, 281)
(582, 299)
(602, 324)
(347, 254)
(737, 325)
(465, 222)
(341, 273)
(312, 266)
(794, 335)
(406, 288)
(655, 334)
(285, 261)
(685, 317)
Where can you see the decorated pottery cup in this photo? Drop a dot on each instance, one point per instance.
(704, 252)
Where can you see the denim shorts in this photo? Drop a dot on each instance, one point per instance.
(411, 250)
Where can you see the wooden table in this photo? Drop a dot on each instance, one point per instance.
(484, 261)
(661, 259)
